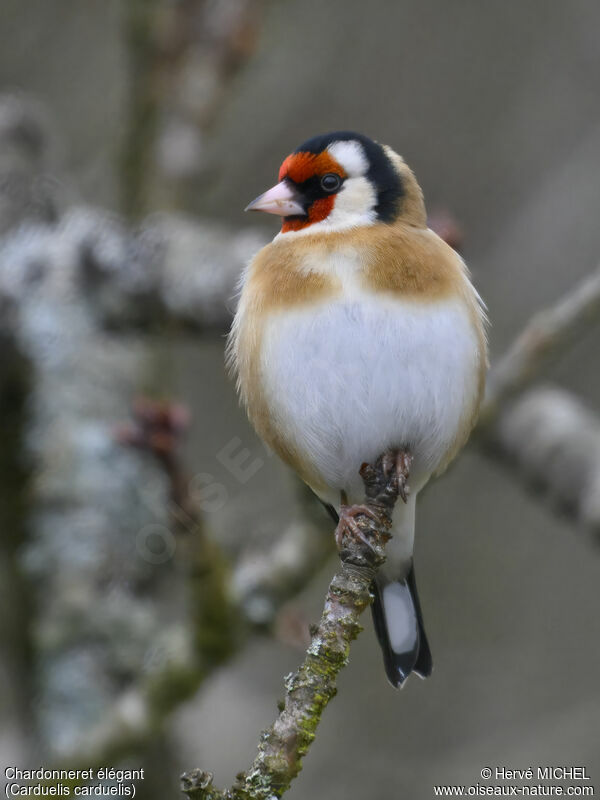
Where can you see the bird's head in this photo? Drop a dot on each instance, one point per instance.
(342, 180)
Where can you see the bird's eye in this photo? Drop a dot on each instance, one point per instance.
(331, 182)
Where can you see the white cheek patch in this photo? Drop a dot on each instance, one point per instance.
(356, 198)
(355, 203)
(350, 156)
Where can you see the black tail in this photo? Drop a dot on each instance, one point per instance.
(399, 627)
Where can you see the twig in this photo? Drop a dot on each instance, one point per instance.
(544, 339)
(309, 690)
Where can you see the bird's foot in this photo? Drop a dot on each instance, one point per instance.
(397, 463)
(348, 524)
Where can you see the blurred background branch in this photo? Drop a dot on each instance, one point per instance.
(146, 85)
(182, 58)
(552, 442)
(547, 434)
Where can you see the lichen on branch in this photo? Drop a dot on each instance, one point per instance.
(309, 690)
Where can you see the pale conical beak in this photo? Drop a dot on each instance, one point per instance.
(281, 199)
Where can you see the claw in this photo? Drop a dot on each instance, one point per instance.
(348, 523)
(403, 464)
(388, 463)
(396, 465)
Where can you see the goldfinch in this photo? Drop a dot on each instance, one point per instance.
(358, 331)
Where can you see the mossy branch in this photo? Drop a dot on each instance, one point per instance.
(309, 690)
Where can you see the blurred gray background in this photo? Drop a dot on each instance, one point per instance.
(495, 106)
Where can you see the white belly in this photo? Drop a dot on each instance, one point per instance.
(358, 376)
